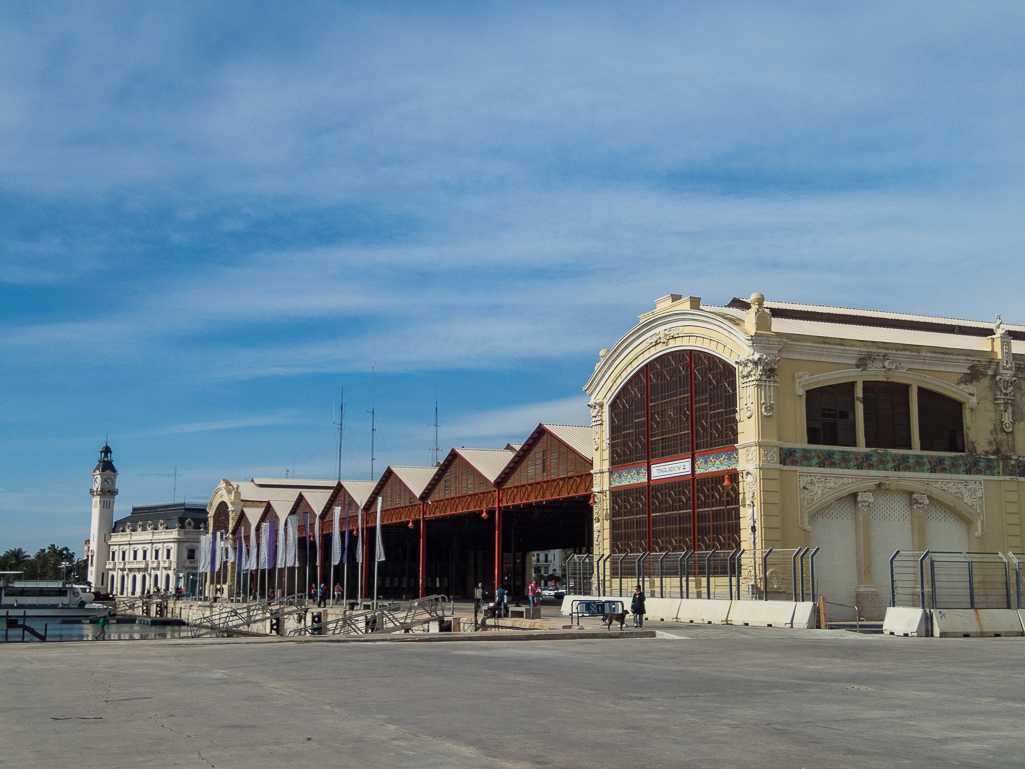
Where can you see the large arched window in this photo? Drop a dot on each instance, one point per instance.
(678, 410)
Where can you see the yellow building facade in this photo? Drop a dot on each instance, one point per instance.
(764, 424)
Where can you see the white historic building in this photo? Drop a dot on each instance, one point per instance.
(157, 546)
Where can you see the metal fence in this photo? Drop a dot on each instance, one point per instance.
(767, 575)
(933, 579)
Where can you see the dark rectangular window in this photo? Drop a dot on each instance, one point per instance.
(829, 413)
(191, 554)
(718, 514)
(940, 422)
(628, 417)
(887, 409)
(669, 394)
(671, 516)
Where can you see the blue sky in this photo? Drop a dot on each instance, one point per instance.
(214, 216)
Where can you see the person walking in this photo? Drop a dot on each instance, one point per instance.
(535, 595)
(338, 592)
(637, 607)
(500, 601)
(322, 596)
(102, 635)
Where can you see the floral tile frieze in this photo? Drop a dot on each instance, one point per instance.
(628, 475)
(888, 461)
(716, 463)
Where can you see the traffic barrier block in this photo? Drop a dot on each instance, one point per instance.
(805, 615)
(906, 621)
(704, 611)
(660, 608)
(762, 613)
(978, 623)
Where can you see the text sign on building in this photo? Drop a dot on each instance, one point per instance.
(671, 469)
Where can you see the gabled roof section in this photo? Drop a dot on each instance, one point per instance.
(413, 478)
(360, 491)
(488, 462)
(576, 437)
(317, 499)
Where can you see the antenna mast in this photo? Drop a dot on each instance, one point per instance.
(340, 424)
(373, 424)
(174, 493)
(437, 449)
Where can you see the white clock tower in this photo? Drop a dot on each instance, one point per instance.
(103, 492)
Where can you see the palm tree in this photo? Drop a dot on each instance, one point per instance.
(13, 560)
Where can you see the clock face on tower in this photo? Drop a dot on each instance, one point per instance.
(96, 482)
(108, 483)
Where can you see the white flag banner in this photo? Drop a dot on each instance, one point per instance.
(316, 532)
(218, 550)
(228, 549)
(292, 534)
(379, 549)
(336, 538)
(254, 550)
(264, 537)
(359, 536)
(279, 556)
(204, 553)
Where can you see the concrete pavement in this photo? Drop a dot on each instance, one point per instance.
(711, 696)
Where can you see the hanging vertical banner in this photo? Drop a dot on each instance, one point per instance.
(379, 548)
(254, 550)
(345, 550)
(306, 528)
(264, 543)
(240, 550)
(204, 553)
(229, 551)
(316, 532)
(282, 544)
(272, 544)
(336, 538)
(215, 561)
(291, 528)
(359, 536)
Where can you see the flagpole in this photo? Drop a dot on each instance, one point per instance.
(377, 550)
(345, 563)
(306, 536)
(359, 556)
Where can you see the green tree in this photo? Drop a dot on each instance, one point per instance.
(13, 560)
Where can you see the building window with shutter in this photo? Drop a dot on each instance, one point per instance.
(830, 415)
(887, 407)
(940, 422)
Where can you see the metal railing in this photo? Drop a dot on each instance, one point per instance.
(241, 615)
(580, 571)
(935, 579)
(390, 618)
(767, 575)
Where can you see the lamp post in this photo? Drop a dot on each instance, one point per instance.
(752, 521)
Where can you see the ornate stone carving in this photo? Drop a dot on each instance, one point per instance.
(880, 363)
(663, 337)
(770, 455)
(814, 487)
(1005, 379)
(597, 422)
(919, 502)
(751, 455)
(758, 380)
(1005, 385)
(969, 491)
(865, 500)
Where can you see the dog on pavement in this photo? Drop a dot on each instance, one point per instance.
(610, 619)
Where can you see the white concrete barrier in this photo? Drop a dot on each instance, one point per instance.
(805, 615)
(906, 621)
(661, 608)
(567, 601)
(958, 623)
(704, 611)
(762, 613)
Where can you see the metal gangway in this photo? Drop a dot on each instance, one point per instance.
(241, 615)
(398, 617)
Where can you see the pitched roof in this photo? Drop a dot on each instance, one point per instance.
(359, 490)
(317, 499)
(488, 462)
(296, 483)
(416, 478)
(577, 437)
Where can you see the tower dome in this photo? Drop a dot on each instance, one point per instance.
(105, 465)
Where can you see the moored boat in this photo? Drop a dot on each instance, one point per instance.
(48, 598)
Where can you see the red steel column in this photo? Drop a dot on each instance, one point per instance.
(363, 583)
(498, 538)
(423, 547)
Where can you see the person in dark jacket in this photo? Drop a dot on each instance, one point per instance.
(637, 607)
